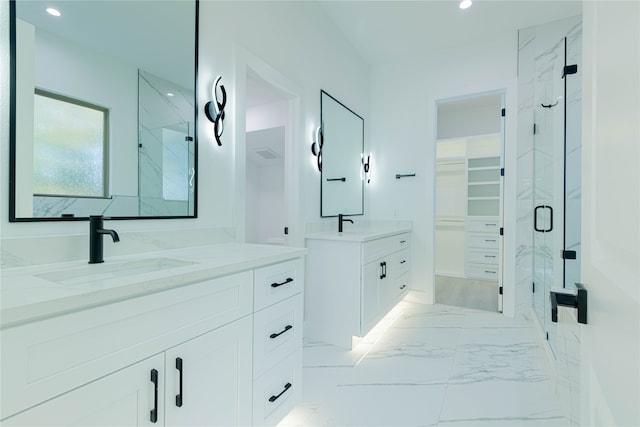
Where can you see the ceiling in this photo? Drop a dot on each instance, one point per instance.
(386, 31)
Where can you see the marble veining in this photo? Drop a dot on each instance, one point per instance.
(435, 365)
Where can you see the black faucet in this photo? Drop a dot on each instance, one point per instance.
(341, 220)
(96, 231)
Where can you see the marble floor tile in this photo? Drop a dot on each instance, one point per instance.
(432, 365)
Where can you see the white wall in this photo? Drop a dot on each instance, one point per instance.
(403, 115)
(610, 342)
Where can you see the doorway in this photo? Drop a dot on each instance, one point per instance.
(267, 126)
(468, 202)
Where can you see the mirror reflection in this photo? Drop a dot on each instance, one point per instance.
(342, 184)
(104, 118)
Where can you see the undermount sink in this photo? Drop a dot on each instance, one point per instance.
(111, 270)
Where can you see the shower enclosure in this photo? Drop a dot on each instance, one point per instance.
(549, 163)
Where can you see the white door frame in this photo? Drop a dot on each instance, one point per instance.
(508, 286)
(244, 61)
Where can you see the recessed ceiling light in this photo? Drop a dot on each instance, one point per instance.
(465, 4)
(53, 12)
(169, 93)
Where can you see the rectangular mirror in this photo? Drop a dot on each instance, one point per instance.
(342, 183)
(103, 109)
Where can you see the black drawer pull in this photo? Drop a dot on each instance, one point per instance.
(403, 261)
(403, 241)
(489, 271)
(489, 240)
(275, 285)
(154, 412)
(403, 286)
(489, 256)
(491, 225)
(286, 328)
(287, 386)
(179, 395)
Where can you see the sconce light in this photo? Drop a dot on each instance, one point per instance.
(316, 147)
(214, 110)
(366, 167)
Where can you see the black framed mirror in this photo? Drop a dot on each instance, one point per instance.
(103, 109)
(342, 175)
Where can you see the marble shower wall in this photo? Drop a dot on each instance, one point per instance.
(166, 155)
(540, 48)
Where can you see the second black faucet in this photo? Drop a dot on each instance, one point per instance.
(341, 220)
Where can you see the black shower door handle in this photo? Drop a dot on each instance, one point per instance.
(535, 219)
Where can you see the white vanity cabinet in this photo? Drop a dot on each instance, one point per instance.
(278, 330)
(213, 388)
(182, 356)
(352, 281)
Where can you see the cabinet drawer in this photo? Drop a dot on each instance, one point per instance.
(401, 260)
(486, 256)
(488, 241)
(277, 333)
(43, 359)
(482, 271)
(276, 392)
(277, 282)
(402, 285)
(483, 225)
(379, 248)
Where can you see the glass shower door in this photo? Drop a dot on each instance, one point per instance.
(548, 146)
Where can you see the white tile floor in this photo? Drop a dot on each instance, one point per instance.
(432, 366)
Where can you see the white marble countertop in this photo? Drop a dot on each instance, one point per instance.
(358, 234)
(39, 292)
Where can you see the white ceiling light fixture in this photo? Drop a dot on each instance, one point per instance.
(465, 4)
(53, 12)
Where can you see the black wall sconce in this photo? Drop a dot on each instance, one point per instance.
(214, 110)
(316, 147)
(366, 168)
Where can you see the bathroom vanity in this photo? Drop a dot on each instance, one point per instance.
(208, 335)
(353, 279)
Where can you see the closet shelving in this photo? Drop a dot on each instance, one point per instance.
(468, 201)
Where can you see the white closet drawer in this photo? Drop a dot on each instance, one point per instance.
(277, 391)
(485, 241)
(277, 282)
(482, 271)
(491, 225)
(486, 256)
(277, 333)
(401, 260)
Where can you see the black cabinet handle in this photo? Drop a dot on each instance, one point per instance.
(403, 241)
(383, 269)
(275, 285)
(490, 271)
(403, 261)
(287, 386)
(154, 412)
(286, 328)
(491, 225)
(179, 395)
(342, 179)
(490, 240)
(489, 256)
